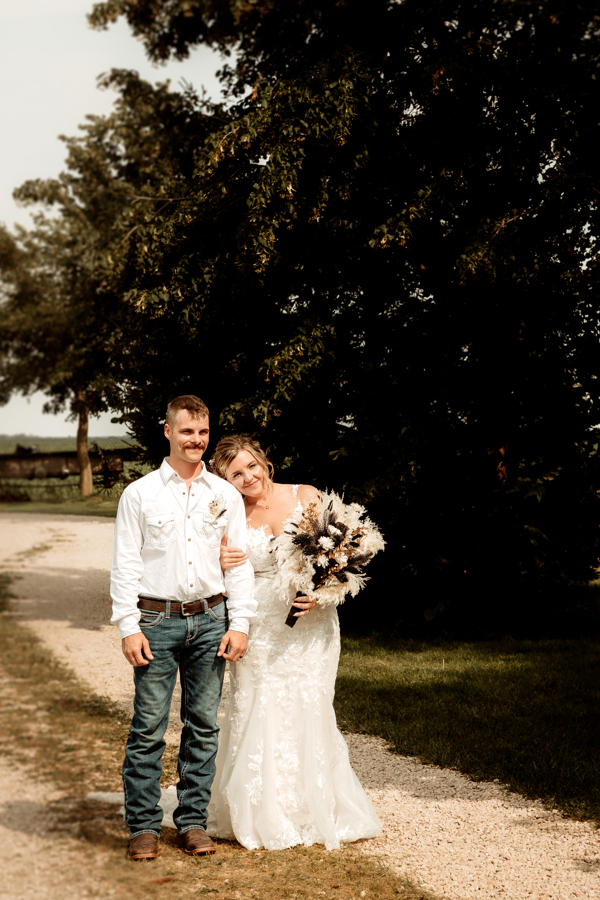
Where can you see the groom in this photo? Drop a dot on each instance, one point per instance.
(167, 592)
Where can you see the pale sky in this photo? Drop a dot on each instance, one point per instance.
(49, 62)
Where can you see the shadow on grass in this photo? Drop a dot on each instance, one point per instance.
(522, 712)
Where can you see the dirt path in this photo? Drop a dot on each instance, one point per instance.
(457, 838)
(43, 854)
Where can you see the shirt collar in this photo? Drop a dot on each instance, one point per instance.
(167, 472)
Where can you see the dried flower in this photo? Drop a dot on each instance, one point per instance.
(216, 508)
(324, 548)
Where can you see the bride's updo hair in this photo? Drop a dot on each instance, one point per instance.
(228, 448)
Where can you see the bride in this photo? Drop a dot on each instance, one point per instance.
(283, 774)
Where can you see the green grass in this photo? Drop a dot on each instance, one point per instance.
(96, 505)
(8, 443)
(525, 713)
(59, 491)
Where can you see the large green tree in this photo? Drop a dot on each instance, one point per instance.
(380, 256)
(59, 321)
(52, 334)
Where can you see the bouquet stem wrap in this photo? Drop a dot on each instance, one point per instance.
(292, 619)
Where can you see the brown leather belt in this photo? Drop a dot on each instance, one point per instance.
(187, 608)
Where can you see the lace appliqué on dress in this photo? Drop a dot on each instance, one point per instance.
(283, 773)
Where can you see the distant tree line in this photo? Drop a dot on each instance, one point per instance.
(377, 253)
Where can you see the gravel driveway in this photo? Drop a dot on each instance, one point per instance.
(457, 838)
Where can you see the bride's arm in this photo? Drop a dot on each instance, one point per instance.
(231, 557)
(306, 495)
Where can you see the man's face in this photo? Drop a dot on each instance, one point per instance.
(188, 437)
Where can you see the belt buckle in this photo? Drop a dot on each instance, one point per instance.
(184, 603)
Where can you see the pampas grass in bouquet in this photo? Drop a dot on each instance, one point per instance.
(323, 550)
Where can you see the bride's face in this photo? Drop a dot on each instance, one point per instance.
(246, 474)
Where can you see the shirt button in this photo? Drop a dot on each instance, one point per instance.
(190, 562)
(191, 585)
(189, 539)
(189, 517)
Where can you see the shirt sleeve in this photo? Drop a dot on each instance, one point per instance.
(239, 582)
(127, 567)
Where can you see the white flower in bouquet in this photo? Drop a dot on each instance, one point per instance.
(324, 548)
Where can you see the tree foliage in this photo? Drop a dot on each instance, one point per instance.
(53, 331)
(378, 253)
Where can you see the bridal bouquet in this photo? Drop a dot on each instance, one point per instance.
(324, 548)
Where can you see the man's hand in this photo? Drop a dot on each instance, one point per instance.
(137, 649)
(238, 644)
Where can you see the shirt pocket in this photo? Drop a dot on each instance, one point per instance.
(210, 532)
(160, 530)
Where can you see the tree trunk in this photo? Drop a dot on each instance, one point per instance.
(86, 482)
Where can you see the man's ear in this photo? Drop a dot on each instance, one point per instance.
(167, 431)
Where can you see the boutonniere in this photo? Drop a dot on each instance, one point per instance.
(216, 508)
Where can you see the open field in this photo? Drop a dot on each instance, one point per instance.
(96, 505)
(30, 492)
(8, 443)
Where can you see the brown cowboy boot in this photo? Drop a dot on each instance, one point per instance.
(196, 842)
(144, 846)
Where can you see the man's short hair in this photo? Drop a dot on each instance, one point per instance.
(194, 405)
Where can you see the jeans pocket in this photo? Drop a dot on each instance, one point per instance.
(214, 615)
(150, 618)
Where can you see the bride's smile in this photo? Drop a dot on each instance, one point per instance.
(246, 474)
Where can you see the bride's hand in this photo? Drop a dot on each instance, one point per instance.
(231, 556)
(305, 604)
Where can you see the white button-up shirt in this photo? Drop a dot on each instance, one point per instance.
(167, 545)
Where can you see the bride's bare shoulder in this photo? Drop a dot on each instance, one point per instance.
(303, 492)
(306, 494)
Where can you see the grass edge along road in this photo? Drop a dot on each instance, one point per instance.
(70, 736)
(524, 713)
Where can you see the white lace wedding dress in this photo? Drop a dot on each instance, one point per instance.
(283, 774)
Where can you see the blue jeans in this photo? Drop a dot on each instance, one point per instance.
(190, 644)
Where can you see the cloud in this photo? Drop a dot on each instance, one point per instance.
(34, 9)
